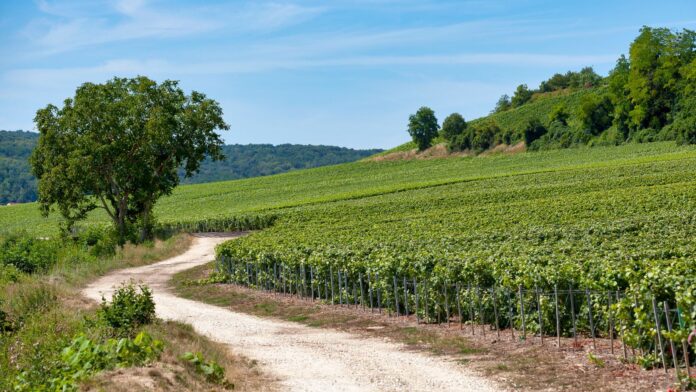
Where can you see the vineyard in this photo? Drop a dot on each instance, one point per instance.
(585, 248)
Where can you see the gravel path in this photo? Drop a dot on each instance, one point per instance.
(301, 357)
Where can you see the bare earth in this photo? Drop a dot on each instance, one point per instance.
(302, 358)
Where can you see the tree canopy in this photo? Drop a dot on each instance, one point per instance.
(118, 145)
(423, 127)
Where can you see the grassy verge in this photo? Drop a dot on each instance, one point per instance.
(514, 364)
(46, 311)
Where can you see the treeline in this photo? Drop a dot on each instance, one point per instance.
(648, 96)
(254, 160)
(18, 185)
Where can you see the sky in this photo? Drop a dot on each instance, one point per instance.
(339, 72)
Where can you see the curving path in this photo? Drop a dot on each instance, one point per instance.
(302, 358)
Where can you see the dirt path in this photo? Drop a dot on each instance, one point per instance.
(302, 358)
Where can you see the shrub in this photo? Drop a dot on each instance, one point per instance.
(9, 274)
(130, 308)
(28, 254)
(101, 241)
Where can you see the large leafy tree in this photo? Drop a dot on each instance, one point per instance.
(423, 127)
(657, 56)
(118, 145)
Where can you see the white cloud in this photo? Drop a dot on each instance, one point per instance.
(67, 26)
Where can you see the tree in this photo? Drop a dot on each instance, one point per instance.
(453, 125)
(503, 104)
(423, 127)
(657, 56)
(118, 145)
(533, 131)
(619, 95)
(484, 135)
(595, 113)
(522, 95)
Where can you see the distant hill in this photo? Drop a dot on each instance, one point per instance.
(17, 185)
(16, 182)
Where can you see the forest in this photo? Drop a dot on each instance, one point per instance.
(18, 185)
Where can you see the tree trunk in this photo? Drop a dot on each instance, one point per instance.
(146, 222)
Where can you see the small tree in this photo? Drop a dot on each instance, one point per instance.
(522, 95)
(423, 127)
(503, 104)
(453, 125)
(118, 146)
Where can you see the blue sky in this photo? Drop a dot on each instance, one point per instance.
(337, 72)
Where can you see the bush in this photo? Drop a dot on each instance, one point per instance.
(130, 308)
(101, 241)
(9, 274)
(29, 254)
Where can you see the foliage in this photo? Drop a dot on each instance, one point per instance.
(560, 114)
(477, 137)
(619, 221)
(503, 104)
(423, 127)
(213, 372)
(28, 254)
(533, 131)
(118, 145)
(654, 80)
(453, 125)
(129, 309)
(585, 78)
(595, 113)
(521, 96)
(18, 185)
(647, 97)
(84, 357)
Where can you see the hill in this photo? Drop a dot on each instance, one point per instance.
(516, 119)
(646, 97)
(17, 185)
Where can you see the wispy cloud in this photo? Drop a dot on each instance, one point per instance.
(67, 26)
